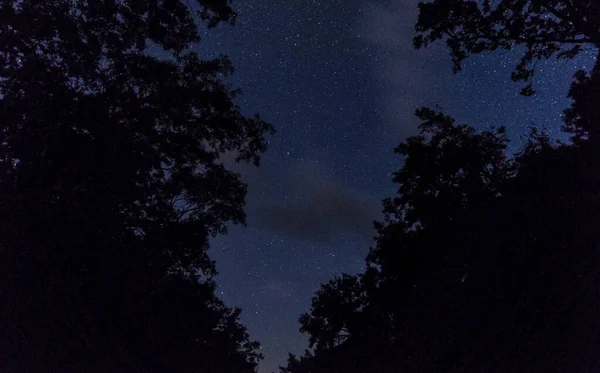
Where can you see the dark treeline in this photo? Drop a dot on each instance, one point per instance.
(484, 261)
(111, 185)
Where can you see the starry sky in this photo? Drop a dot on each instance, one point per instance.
(340, 81)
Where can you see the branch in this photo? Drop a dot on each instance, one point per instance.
(189, 209)
(557, 13)
(520, 39)
(579, 23)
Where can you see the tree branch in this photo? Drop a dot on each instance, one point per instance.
(521, 39)
(579, 23)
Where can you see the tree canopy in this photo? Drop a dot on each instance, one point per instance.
(483, 262)
(111, 183)
(543, 28)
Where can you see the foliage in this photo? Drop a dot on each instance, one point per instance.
(544, 28)
(482, 263)
(111, 183)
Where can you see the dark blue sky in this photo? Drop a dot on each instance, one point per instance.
(340, 81)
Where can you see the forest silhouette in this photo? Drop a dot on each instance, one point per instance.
(112, 184)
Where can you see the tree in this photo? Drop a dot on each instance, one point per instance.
(442, 164)
(545, 28)
(334, 312)
(542, 29)
(373, 321)
(483, 262)
(111, 184)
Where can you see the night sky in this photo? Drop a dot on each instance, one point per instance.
(340, 81)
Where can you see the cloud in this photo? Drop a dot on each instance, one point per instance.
(320, 209)
(276, 290)
(408, 78)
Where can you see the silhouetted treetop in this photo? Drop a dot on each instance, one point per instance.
(77, 76)
(447, 167)
(482, 262)
(112, 180)
(334, 312)
(545, 28)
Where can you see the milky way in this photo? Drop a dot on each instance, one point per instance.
(340, 82)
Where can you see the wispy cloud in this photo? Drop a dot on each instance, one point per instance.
(408, 78)
(276, 290)
(319, 209)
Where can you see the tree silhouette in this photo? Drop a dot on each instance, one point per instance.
(483, 262)
(449, 172)
(542, 29)
(111, 184)
(545, 28)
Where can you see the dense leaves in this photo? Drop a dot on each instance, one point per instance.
(474, 275)
(111, 184)
(543, 28)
